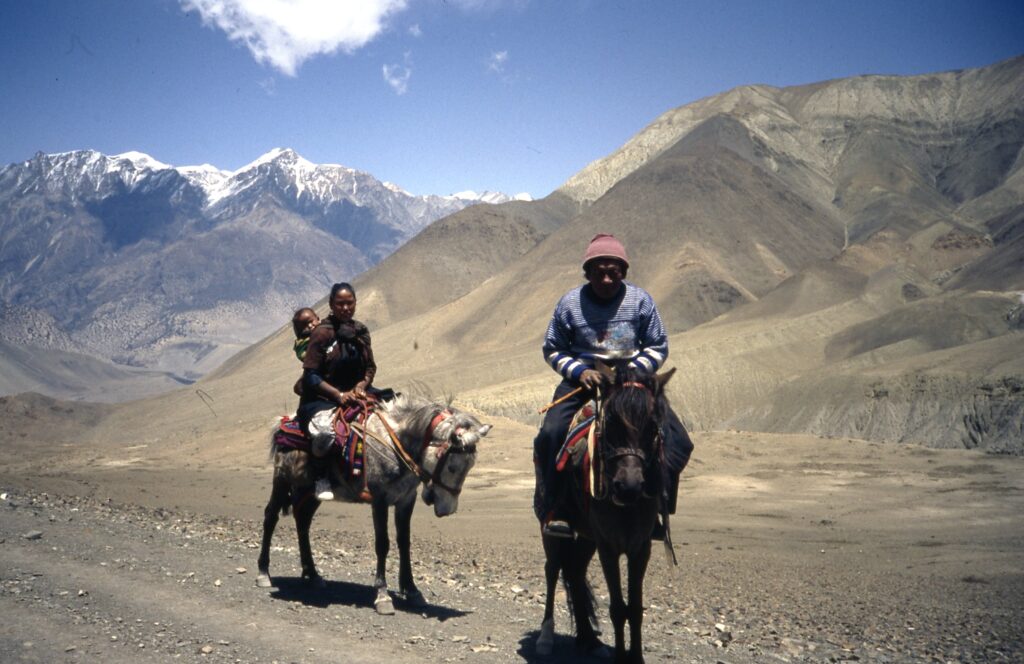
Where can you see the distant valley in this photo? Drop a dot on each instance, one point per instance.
(166, 272)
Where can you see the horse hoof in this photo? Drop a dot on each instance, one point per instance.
(415, 599)
(263, 581)
(546, 640)
(384, 606)
(316, 581)
(596, 649)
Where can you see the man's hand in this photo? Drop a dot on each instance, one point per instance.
(591, 379)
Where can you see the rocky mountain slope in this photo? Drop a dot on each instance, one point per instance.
(840, 258)
(175, 269)
(848, 275)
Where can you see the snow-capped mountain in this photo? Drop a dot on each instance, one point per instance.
(492, 197)
(173, 267)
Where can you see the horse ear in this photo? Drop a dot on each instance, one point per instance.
(663, 378)
(484, 429)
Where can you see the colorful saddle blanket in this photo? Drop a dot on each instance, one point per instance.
(575, 446)
(576, 452)
(347, 441)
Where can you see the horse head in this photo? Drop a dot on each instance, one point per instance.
(632, 413)
(448, 456)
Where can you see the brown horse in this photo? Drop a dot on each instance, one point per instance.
(407, 442)
(618, 519)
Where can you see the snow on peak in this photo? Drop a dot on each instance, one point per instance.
(391, 186)
(282, 155)
(493, 197)
(140, 160)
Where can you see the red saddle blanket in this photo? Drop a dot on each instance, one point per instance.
(347, 446)
(574, 452)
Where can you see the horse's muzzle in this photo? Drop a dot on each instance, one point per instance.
(626, 493)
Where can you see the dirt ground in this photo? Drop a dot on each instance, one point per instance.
(791, 548)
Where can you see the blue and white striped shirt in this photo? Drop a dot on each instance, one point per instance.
(584, 325)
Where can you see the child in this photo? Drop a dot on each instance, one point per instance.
(303, 322)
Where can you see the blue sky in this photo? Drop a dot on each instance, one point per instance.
(437, 96)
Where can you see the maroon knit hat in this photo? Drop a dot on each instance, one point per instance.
(605, 246)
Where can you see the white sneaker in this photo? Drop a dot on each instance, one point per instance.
(322, 489)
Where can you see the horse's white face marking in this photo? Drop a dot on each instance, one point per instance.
(459, 457)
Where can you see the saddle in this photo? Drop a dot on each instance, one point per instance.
(347, 447)
(578, 450)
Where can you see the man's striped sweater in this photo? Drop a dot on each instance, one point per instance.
(584, 325)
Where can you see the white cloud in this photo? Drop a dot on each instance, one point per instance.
(415, 30)
(285, 33)
(497, 61)
(398, 75)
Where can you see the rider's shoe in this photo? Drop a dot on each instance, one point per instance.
(558, 528)
(322, 489)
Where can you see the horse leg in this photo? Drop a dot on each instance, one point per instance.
(555, 551)
(304, 512)
(279, 497)
(403, 535)
(617, 606)
(382, 544)
(636, 566)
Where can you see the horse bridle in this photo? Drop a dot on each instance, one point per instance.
(445, 449)
(619, 452)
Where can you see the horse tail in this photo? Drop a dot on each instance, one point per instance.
(271, 435)
(588, 604)
(272, 449)
(570, 558)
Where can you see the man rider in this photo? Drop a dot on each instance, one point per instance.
(606, 316)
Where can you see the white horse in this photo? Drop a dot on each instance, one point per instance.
(407, 442)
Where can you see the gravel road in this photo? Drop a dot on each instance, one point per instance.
(791, 572)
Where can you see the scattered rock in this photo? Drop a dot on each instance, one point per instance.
(33, 535)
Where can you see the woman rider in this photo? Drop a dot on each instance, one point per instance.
(338, 367)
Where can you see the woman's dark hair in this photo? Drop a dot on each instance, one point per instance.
(337, 288)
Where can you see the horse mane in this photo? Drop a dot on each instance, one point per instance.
(630, 405)
(411, 413)
(415, 414)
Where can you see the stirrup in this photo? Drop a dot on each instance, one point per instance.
(558, 528)
(322, 489)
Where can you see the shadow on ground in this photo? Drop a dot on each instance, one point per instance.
(563, 652)
(358, 595)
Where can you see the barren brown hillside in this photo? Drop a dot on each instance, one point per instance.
(850, 229)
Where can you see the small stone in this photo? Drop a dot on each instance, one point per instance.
(241, 570)
(113, 637)
(70, 649)
(82, 593)
(217, 583)
(206, 650)
(460, 639)
(33, 535)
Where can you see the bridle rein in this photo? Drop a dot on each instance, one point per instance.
(445, 449)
